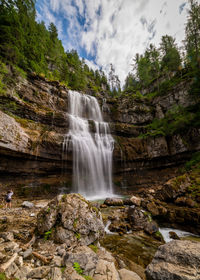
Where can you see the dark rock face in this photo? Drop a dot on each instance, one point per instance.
(176, 260)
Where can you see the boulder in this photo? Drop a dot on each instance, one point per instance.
(105, 270)
(153, 209)
(71, 219)
(140, 220)
(176, 260)
(27, 204)
(39, 272)
(128, 275)
(113, 201)
(136, 200)
(84, 256)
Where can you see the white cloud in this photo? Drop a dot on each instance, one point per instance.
(115, 30)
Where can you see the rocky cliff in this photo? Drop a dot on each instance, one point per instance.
(34, 122)
(145, 155)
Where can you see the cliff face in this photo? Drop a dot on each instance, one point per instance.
(150, 160)
(34, 122)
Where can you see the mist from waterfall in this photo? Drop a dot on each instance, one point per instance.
(92, 146)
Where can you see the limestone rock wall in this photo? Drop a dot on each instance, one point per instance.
(34, 122)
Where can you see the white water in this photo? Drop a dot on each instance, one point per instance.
(92, 151)
(180, 233)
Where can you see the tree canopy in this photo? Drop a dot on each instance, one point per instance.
(34, 48)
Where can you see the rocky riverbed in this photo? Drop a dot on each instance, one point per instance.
(64, 239)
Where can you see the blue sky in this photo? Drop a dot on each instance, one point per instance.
(113, 31)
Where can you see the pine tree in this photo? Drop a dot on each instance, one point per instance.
(192, 40)
(171, 59)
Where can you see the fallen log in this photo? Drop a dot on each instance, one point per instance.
(44, 259)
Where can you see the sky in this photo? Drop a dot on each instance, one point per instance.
(113, 31)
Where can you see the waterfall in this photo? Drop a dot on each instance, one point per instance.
(92, 145)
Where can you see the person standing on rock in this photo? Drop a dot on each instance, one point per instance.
(8, 199)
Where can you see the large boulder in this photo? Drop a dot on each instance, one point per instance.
(71, 219)
(140, 220)
(176, 260)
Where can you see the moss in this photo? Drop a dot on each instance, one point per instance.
(178, 181)
(64, 197)
(3, 276)
(63, 269)
(47, 234)
(75, 222)
(93, 247)
(78, 236)
(80, 271)
(148, 215)
(176, 120)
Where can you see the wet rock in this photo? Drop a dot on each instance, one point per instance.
(190, 202)
(128, 275)
(136, 218)
(178, 259)
(119, 226)
(140, 220)
(136, 200)
(151, 227)
(173, 235)
(180, 200)
(127, 201)
(114, 201)
(153, 209)
(72, 219)
(103, 206)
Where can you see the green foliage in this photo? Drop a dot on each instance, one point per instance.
(93, 247)
(77, 267)
(30, 47)
(176, 120)
(63, 269)
(171, 58)
(75, 222)
(195, 160)
(47, 234)
(192, 41)
(80, 271)
(78, 236)
(2, 276)
(3, 72)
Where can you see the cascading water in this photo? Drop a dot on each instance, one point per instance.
(92, 145)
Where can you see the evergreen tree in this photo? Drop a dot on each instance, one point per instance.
(171, 59)
(192, 40)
